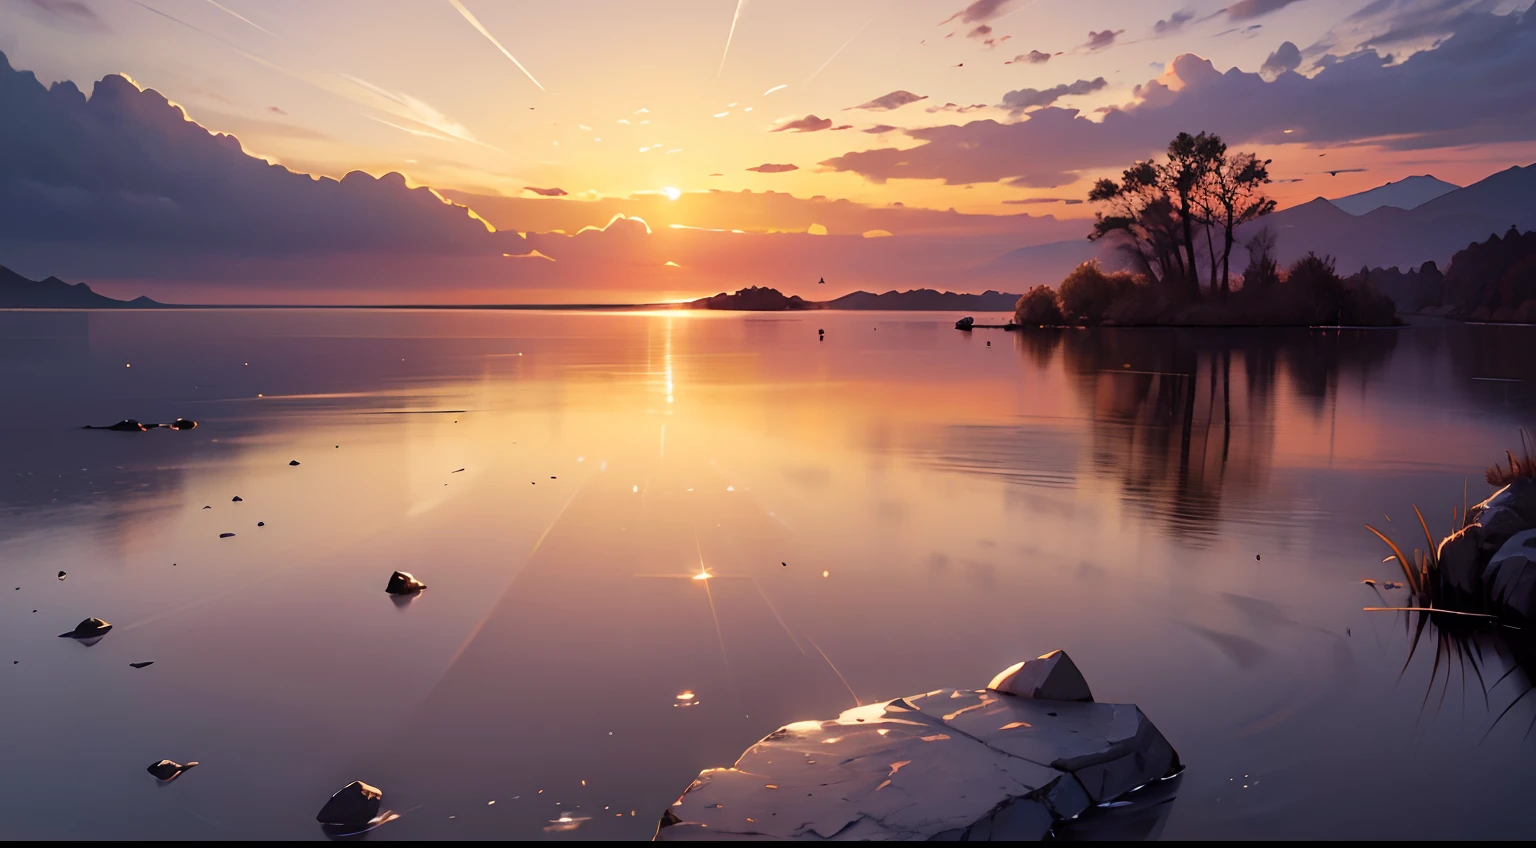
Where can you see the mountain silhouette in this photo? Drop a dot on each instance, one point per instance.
(18, 292)
(1406, 193)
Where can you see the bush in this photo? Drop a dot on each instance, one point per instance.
(1088, 293)
(1039, 307)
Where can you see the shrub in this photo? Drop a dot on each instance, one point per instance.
(1039, 307)
(1088, 293)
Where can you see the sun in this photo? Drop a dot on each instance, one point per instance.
(671, 193)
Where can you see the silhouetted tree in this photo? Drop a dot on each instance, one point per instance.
(1039, 307)
(1140, 213)
(1191, 158)
(1262, 272)
(1087, 293)
(1230, 196)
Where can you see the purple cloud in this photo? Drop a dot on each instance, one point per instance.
(879, 128)
(1030, 98)
(887, 102)
(1247, 10)
(547, 192)
(981, 10)
(810, 123)
(1285, 58)
(1101, 40)
(1033, 57)
(768, 168)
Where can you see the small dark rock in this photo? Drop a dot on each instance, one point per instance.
(168, 770)
(141, 664)
(127, 425)
(236, 499)
(404, 583)
(225, 535)
(63, 575)
(183, 424)
(261, 524)
(87, 629)
(353, 806)
(293, 462)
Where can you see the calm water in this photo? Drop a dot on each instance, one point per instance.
(898, 508)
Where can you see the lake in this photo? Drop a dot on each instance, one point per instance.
(897, 508)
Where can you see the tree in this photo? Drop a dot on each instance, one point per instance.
(1230, 196)
(1263, 272)
(1087, 293)
(1142, 217)
(1191, 158)
(1039, 307)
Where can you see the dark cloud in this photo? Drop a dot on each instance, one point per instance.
(1030, 201)
(981, 10)
(887, 102)
(842, 127)
(1101, 40)
(953, 107)
(66, 14)
(1030, 98)
(810, 123)
(1247, 10)
(1033, 57)
(879, 128)
(126, 171)
(547, 192)
(276, 111)
(979, 32)
(767, 168)
(1287, 57)
(1174, 23)
(1436, 98)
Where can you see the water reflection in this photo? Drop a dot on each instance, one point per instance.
(882, 512)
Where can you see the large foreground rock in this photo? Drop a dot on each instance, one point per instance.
(949, 764)
(1511, 579)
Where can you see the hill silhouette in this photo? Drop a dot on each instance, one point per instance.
(763, 299)
(18, 292)
(1406, 193)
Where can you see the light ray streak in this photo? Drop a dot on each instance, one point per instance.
(776, 616)
(840, 50)
(487, 33)
(740, 4)
(856, 701)
(221, 7)
(711, 596)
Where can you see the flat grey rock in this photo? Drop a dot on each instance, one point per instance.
(1510, 578)
(950, 764)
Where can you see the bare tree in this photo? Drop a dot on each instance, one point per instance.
(1183, 178)
(1231, 195)
(1139, 213)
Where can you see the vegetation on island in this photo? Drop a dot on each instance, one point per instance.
(1176, 222)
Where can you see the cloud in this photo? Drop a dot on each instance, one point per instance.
(1287, 57)
(1247, 10)
(887, 102)
(767, 168)
(547, 192)
(1436, 98)
(1029, 98)
(810, 123)
(66, 14)
(1174, 23)
(981, 10)
(879, 128)
(1033, 57)
(842, 127)
(1101, 40)
(275, 110)
(1029, 201)
(952, 107)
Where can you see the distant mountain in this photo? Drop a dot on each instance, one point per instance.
(1046, 263)
(18, 292)
(1405, 238)
(926, 299)
(1406, 193)
(754, 299)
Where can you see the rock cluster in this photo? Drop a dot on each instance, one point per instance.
(1491, 560)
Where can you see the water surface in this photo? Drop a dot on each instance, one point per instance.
(897, 508)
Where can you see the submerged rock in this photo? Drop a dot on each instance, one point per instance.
(404, 583)
(1052, 677)
(293, 462)
(168, 770)
(236, 499)
(141, 664)
(352, 807)
(62, 575)
(965, 323)
(87, 629)
(127, 425)
(183, 424)
(964, 765)
(225, 535)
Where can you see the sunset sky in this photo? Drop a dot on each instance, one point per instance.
(644, 109)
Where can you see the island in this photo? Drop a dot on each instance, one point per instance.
(18, 292)
(764, 299)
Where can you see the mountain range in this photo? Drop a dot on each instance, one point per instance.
(1406, 193)
(759, 299)
(18, 292)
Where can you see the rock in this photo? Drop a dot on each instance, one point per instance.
(352, 807)
(965, 323)
(183, 424)
(404, 583)
(62, 575)
(141, 664)
(1506, 512)
(963, 765)
(261, 524)
(87, 629)
(127, 425)
(1052, 677)
(1461, 560)
(293, 462)
(1511, 579)
(225, 535)
(236, 499)
(168, 770)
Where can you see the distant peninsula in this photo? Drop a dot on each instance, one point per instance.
(18, 292)
(763, 299)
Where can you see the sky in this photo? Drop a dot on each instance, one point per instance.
(554, 116)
